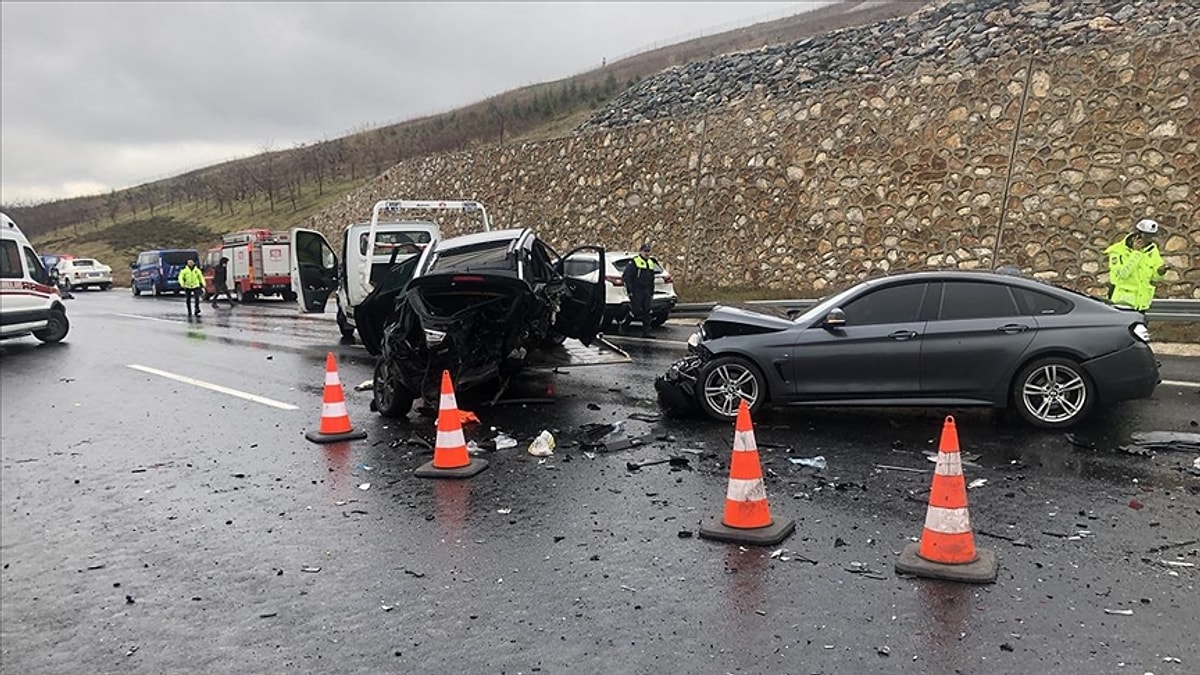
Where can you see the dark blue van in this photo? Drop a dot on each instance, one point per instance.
(158, 271)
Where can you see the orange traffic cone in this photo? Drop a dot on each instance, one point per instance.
(335, 421)
(450, 458)
(947, 549)
(747, 518)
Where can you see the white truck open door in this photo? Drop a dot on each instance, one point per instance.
(398, 205)
(314, 267)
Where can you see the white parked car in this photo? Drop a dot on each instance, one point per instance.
(83, 272)
(616, 299)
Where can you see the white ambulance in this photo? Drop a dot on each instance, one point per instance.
(29, 300)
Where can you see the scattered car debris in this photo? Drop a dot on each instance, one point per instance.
(1136, 505)
(364, 486)
(1174, 544)
(267, 615)
(1177, 563)
(978, 482)
(1122, 612)
(132, 650)
(677, 462)
(366, 385)
(387, 608)
(889, 467)
(883, 650)
(593, 406)
(310, 569)
(645, 417)
(1137, 450)
(685, 534)
(1015, 541)
(817, 462)
(504, 511)
(504, 441)
(1175, 441)
(543, 445)
(413, 573)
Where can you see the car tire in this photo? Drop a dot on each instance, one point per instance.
(105, 287)
(726, 380)
(56, 328)
(157, 289)
(1053, 393)
(289, 296)
(344, 324)
(134, 287)
(390, 399)
(658, 320)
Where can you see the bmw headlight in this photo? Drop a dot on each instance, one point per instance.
(1141, 332)
(693, 340)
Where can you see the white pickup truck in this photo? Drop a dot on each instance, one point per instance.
(368, 249)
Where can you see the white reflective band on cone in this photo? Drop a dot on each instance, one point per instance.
(448, 402)
(947, 521)
(746, 490)
(334, 409)
(451, 439)
(949, 464)
(331, 377)
(744, 440)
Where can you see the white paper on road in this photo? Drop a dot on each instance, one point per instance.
(214, 387)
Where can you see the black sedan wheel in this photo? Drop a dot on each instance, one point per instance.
(1053, 393)
(727, 381)
(391, 400)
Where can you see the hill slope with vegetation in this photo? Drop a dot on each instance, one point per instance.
(278, 188)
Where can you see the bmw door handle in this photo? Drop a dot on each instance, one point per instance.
(1013, 328)
(902, 335)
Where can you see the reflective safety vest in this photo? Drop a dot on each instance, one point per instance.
(191, 278)
(1133, 273)
(640, 272)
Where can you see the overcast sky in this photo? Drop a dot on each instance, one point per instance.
(98, 95)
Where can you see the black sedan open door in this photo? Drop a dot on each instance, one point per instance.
(582, 308)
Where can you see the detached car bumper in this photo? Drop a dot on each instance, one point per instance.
(676, 387)
(1126, 374)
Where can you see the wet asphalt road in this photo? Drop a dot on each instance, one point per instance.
(152, 526)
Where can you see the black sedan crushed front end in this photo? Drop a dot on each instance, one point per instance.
(677, 386)
(476, 329)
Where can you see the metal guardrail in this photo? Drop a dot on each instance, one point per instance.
(1160, 310)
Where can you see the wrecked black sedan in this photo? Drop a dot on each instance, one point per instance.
(944, 339)
(478, 306)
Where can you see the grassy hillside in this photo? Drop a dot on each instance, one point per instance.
(278, 188)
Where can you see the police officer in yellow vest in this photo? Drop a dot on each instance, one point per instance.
(1134, 266)
(191, 280)
(638, 276)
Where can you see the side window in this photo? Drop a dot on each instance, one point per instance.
(894, 304)
(975, 300)
(36, 271)
(1040, 304)
(10, 261)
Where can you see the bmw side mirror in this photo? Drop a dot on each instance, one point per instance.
(133, 265)
(835, 319)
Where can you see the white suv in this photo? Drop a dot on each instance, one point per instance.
(616, 298)
(83, 272)
(29, 302)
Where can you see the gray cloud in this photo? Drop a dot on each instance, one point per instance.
(106, 95)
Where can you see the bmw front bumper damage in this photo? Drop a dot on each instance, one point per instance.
(677, 386)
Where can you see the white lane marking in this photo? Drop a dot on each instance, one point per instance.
(1181, 383)
(214, 387)
(148, 318)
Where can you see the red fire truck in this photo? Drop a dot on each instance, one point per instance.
(258, 264)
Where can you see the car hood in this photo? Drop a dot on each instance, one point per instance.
(725, 320)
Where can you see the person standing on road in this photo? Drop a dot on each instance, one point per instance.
(219, 284)
(191, 280)
(1134, 266)
(638, 277)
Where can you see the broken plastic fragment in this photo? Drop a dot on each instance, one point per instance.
(365, 385)
(817, 462)
(364, 486)
(543, 445)
(1122, 612)
(505, 511)
(504, 441)
(978, 482)
(310, 569)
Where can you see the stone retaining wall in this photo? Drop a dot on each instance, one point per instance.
(919, 171)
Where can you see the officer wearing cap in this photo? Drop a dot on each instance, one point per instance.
(638, 276)
(1134, 266)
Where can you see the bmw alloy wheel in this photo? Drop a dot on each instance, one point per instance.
(1053, 393)
(725, 383)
